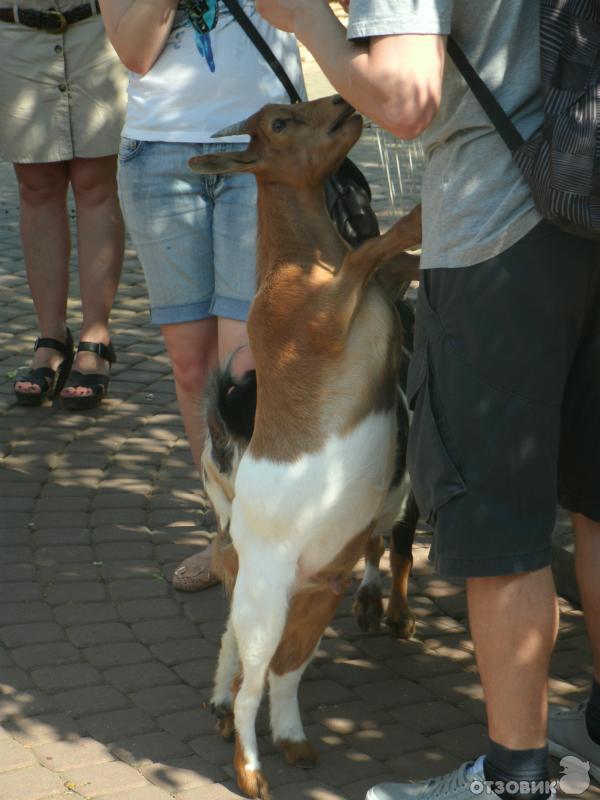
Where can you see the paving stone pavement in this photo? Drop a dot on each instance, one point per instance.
(105, 670)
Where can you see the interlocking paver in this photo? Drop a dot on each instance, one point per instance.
(23, 704)
(179, 774)
(58, 678)
(90, 700)
(78, 752)
(184, 650)
(107, 632)
(33, 783)
(149, 747)
(109, 726)
(33, 731)
(101, 779)
(114, 655)
(85, 613)
(140, 588)
(162, 700)
(58, 594)
(150, 608)
(13, 756)
(138, 676)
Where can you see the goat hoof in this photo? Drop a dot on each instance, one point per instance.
(368, 608)
(253, 783)
(299, 754)
(401, 625)
(226, 727)
(220, 710)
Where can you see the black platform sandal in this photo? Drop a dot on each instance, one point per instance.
(97, 382)
(50, 381)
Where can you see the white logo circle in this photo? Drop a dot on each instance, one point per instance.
(575, 778)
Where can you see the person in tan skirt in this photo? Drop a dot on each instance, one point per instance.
(62, 104)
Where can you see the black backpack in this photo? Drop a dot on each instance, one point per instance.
(561, 161)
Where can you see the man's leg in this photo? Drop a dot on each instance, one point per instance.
(587, 567)
(514, 622)
(576, 731)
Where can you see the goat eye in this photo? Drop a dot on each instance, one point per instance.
(278, 125)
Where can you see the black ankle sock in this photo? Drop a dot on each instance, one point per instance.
(592, 713)
(506, 768)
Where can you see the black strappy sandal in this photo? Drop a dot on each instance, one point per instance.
(97, 382)
(50, 381)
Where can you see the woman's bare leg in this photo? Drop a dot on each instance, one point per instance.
(100, 243)
(46, 244)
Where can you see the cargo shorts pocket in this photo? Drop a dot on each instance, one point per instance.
(435, 478)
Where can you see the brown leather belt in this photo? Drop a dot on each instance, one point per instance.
(50, 21)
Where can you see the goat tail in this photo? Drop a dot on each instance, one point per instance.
(231, 405)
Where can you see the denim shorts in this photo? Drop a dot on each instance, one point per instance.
(195, 235)
(505, 386)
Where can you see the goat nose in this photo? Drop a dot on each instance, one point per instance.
(337, 99)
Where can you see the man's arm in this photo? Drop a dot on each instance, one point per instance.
(138, 29)
(396, 80)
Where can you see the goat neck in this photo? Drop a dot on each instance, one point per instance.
(294, 227)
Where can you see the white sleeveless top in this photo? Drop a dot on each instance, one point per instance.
(204, 82)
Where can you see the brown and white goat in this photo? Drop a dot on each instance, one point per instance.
(313, 481)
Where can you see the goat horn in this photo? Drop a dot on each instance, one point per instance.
(236, 129)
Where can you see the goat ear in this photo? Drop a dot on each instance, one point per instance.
(223, 163)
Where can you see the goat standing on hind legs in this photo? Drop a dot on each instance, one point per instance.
(314, 478)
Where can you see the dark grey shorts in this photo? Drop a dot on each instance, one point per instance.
(505, 387)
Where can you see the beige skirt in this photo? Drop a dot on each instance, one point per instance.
(61, 96)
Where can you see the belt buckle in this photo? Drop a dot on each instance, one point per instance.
(61, 20)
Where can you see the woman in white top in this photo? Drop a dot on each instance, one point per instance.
(193, 71)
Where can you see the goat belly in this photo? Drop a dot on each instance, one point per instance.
(316, 504)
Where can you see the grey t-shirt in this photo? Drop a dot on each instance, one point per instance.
(475, 202)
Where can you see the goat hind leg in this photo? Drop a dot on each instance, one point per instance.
(258, 616)
(399, 618)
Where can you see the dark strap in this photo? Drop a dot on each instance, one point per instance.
(89, 380)
(62, 347)
(263, 48)
(500, 119)
(107, 352)
(50, 21)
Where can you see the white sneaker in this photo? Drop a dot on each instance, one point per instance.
(568, 736)
(465, 783)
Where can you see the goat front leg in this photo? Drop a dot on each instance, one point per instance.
(221, 703)
(286, 723)
(258, 614)
(399, 618)
(368, 604)
(365, 259)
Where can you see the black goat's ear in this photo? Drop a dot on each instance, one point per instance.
(223, 163)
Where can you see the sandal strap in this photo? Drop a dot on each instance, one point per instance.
(65, 348)
(90, 380)
(38, 376)
(105, 351)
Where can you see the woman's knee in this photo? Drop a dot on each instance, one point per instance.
(94, 180)
(192, 350)
(42, 184)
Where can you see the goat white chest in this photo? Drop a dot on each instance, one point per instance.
(311, 507)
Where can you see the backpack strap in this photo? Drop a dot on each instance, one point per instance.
(263, 48)
(498, 116)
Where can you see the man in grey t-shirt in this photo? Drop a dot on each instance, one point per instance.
(505, 377)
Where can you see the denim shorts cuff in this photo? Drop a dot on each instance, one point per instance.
(493, 566)
(166, 315)
(230, 308)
